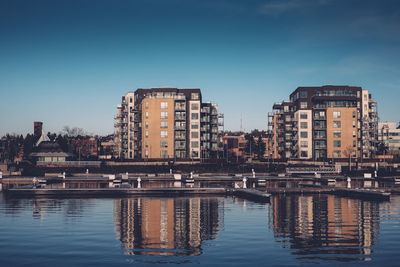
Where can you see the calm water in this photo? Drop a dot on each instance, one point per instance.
(295, 230)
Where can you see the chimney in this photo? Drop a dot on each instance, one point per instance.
(37, 128)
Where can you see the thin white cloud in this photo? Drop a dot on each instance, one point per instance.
(277, 7)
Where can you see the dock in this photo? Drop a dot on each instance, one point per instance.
(252, 194)
(363, 193)
(115, 192)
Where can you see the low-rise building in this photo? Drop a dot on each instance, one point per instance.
(389, 134)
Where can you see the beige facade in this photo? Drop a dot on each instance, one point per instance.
(161, 123)
(275, 152)
(194, 129)
(304, 133)
(342, 132)
(158, 127)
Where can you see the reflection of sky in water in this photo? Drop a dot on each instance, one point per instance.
(215, 231)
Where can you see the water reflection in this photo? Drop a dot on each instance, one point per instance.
(167, 226)
(326, 227)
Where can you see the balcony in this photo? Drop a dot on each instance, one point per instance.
(180, 127)
(134, 128)
(205, 110)
(179, 106)
(180, 137)
(180, 116)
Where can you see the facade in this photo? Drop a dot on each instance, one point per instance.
(389, 134)
(160, 123)
(86, 148)
(324, 123)
(235, 146)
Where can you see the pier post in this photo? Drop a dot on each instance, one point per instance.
(348, 182)
(254, 173)
(63, 175)
(1, 175)
(244, 182)
(139, 180)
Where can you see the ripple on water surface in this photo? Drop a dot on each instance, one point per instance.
(291, 230)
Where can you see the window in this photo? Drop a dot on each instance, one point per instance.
(337, 124)
(354, 124)
(303, 94)
(146, 144)
(304, 144)
(319, 115)
(195, 106)
(303, 125)
(319, 134)
(286, 108)
(337, 143)
(195, 154)
(163, 143)
(146, 114)
(195, 134)
(164, 134)
(195, 96)
(303, 116)
(146, 124)
(354, 114)
(164, 105)
(304, 134)
(195, 144)
(337, 134)
(163, 153)
(303, 105)
(354, 133)
(146, 133)
(146, 153)
(163, 124)
(354, 143)
(195, 125)
(337, 154)
(130, 100)
(195, 116)
(146, 104)
(164, 115)
(304, 154)
(336, 114)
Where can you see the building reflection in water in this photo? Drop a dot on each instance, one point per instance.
(167, 226)
(326, 227)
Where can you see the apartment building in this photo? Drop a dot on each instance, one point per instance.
(323, 123)
(389, 134)
(164, 123)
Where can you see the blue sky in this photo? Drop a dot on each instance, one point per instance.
(69, 62)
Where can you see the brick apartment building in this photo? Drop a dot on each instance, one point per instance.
(159, 123)
(324, 122)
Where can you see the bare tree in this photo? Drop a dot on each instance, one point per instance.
(74, 132)
(349, 152)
